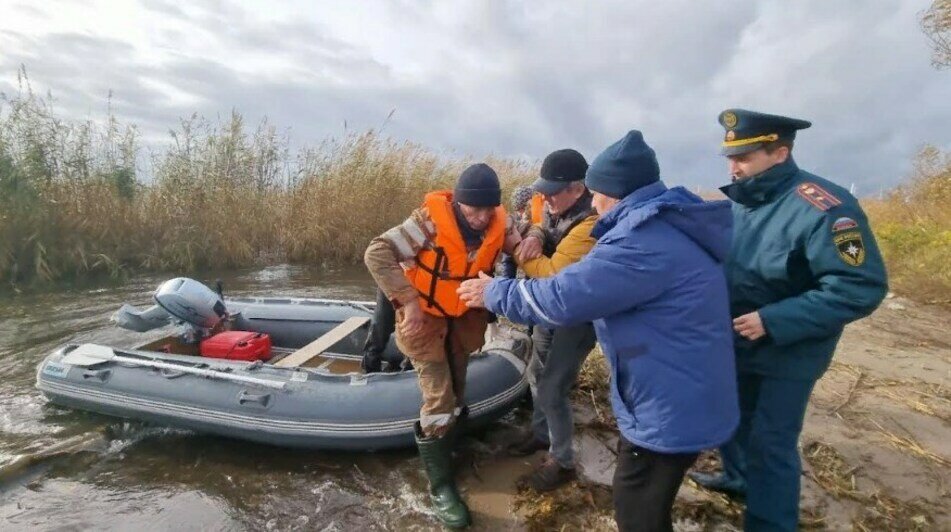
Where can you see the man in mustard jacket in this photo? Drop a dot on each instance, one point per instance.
(563, 237)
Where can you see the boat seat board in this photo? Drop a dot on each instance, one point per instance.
(325, 342)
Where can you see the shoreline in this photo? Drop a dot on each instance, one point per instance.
(875, 449)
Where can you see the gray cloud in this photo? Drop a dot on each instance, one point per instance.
(509, 79)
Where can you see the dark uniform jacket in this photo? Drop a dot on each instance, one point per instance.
(803, 255)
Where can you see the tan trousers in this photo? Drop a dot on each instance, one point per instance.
(442, 375)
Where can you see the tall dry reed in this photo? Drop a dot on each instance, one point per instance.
(913, 227)
(64, 188)
(79, 198)
(75, 201)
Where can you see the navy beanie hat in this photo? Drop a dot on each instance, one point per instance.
(623, 167)
(478, 186)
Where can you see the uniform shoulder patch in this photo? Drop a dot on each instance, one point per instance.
(817, 196)
(843, 224)
(850, 247)
(848, 241)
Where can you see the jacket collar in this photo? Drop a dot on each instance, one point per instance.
(632, 201)
(645, 193)
(581, 208)
(556, 227)
(764, 187)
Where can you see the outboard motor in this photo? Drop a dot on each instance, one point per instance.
(180, 299)
(191, 302)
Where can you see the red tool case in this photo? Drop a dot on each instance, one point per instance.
(237, 345)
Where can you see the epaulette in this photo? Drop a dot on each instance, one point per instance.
(817, 196)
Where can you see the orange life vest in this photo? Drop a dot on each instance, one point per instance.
(442, 267)
(538, 209)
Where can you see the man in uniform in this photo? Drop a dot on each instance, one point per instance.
(419, 264)
(563, 237)
(803, 264)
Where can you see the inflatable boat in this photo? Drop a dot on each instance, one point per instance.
(308, 391)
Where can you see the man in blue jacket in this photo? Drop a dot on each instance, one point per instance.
(655, 289)
(803, 264)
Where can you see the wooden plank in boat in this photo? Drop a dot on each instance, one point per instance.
(325, 342)
(343, 367)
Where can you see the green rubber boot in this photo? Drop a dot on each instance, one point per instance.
(436, 454)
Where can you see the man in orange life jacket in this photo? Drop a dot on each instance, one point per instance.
(419, 264)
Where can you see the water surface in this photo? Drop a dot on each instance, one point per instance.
(141, 477)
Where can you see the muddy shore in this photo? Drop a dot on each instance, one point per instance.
(876, 445)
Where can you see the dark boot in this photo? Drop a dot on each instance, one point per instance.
(382, 326)
(460, 425)
(455, 434)
(527, 445)
(719, 482)
(549, 476)
(436, 454)
(372, 362)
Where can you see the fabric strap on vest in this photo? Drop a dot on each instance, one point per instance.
(447, 260)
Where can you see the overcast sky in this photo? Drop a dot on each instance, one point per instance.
(516, 79)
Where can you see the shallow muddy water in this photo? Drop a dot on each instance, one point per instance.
(127, 475)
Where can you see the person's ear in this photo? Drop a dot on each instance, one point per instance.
(782, 154)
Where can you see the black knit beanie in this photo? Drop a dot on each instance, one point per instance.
(478, 186)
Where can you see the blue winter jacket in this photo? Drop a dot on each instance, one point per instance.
(655, 288)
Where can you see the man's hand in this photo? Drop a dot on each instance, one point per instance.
(530, 248)
(413, 321)
(749, 326)
(512, 239)
(472, 292)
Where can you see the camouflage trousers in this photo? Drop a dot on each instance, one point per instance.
(440, 354)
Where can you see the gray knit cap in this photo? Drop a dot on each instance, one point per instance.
(521, 196)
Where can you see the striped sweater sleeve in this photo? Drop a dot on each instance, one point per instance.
(389, 254)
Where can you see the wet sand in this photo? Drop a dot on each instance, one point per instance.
(876, 445)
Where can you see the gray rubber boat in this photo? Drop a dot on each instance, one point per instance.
(326, 404)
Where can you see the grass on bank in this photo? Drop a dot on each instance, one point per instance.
(75, 200)
(74, 203)
(913, 228)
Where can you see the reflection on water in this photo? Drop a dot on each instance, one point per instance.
(154, 478)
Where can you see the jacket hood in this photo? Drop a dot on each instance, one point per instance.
(708, 223)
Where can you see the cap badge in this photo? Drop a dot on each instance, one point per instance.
(729, 120)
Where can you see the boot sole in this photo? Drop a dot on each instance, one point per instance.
(448, 524)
